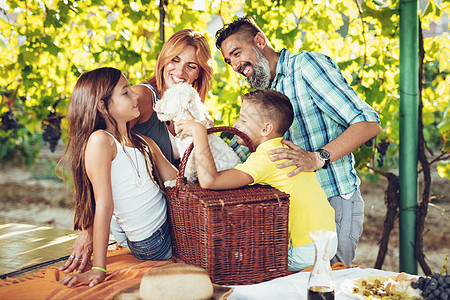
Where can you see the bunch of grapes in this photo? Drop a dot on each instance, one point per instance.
(369, 143)
(9, 121)
(52, 130)
(382, 147)
(434, 287)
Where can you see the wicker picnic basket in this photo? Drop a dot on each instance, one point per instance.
(238, 236)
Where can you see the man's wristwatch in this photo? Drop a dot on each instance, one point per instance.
(324, 155)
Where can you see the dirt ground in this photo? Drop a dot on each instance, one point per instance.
(32, 196)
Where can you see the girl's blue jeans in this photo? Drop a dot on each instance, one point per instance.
(157, 247)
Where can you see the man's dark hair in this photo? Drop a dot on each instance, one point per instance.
(273, 106)
(245, 27)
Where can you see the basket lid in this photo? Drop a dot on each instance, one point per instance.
(245, 195)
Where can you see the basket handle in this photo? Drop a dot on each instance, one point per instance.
(180, 178)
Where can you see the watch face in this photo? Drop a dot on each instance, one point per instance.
(324, 154)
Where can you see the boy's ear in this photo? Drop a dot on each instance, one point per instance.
(260, 40)
(101, 107)
(267, 129)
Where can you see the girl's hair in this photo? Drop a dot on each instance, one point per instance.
(84, 118)
(173, 47)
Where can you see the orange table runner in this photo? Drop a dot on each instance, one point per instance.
(124, 271)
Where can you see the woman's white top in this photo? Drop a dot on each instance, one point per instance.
(139, 210)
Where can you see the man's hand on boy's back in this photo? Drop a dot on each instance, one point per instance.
(304, 160)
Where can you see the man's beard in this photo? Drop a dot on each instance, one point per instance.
(260, 79)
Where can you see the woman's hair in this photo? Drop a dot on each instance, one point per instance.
(173, 47)
(84, 118)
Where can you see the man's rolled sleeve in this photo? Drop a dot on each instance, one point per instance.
(332, 93)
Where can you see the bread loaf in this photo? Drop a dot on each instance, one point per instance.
(176, 281)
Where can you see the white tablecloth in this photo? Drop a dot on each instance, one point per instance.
(295, 286)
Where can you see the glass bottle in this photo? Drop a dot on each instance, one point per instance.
(321, 282)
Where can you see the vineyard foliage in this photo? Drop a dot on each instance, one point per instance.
(46, 45)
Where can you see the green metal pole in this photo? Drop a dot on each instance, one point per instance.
(409, 101)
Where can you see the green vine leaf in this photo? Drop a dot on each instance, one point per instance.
(45, 48)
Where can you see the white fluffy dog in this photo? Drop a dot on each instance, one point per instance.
(171, 107)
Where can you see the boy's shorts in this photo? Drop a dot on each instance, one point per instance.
(302, 257)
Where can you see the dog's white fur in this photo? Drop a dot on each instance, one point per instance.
(171, 107)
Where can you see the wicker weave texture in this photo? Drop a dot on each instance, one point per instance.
(238, 236)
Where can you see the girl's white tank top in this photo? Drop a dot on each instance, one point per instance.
(139, 210)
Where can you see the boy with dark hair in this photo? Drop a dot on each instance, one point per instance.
(264, 117)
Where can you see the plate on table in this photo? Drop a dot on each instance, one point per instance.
(376, 287)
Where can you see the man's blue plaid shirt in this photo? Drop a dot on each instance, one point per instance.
(324, 106)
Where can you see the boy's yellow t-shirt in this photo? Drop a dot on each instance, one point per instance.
(309, 207)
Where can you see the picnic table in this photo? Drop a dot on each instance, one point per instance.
(26, 247)
(31, 254)
(295, 286)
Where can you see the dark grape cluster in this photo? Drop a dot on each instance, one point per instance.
(52, 130)
(382, 147)
(369, 143)
(9, 121)
(434, 287)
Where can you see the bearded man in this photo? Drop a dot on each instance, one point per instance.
(330, 122)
